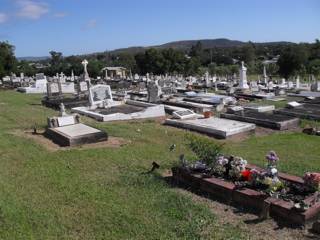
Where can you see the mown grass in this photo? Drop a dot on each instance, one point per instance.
(94, 193)
(102, 193)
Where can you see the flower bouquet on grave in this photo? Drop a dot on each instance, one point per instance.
(272, 158)
(238, 165)
(219, 166)
(272, 181)
(312, 181)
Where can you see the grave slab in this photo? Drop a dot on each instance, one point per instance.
(123, 111)
(305, 111)
(76, 134)
(217, 127)
(268, 120)
(260, 108)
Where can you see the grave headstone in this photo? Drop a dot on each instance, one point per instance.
(54, 89)
(86, 74)
(100, 95)
(315, 87)
(154, 92)
(243, 77)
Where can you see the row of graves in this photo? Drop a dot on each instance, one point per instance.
(39, 85)
(229, 178)
(12, 81)
(191, 110)
(234, 118)
(55, 95)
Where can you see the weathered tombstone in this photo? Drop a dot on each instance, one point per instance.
(254, 86)
(154, 92)
(265, 77)
(315, 87)
(100, 95)
(290, 85)
(297, 82)
(54, 90)
(243, 77)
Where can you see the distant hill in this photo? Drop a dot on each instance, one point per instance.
(184, 45)
(206, 43)
(32, 59)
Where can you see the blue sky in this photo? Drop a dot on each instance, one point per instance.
(82, 26)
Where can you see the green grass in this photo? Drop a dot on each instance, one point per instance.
(101, 193)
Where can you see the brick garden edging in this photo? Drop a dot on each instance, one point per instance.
(249, 198)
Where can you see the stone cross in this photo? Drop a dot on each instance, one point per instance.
(86, 74)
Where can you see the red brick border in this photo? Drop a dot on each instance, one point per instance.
(250, 198)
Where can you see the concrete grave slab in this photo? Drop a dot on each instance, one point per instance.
(260, 108)
(217, 127)
(125, 111)
(76, 134)
(267, 120)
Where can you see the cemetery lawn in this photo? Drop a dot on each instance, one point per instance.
(101, 193)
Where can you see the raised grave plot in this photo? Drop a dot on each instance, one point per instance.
(69, 103)
(123, 111)
(307, 111)
(268, 120)
(311, 101)
(216, 127)
(126, 109)
(75, 134)
(257, 108)
(252, 199)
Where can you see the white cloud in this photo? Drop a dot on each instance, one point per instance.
(60, 14)
(91, 24)
(31, 9)
(3, 17)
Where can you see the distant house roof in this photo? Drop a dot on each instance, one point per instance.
(113, 68)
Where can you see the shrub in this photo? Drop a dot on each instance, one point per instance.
(205, 149)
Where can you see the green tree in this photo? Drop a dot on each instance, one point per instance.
(196, 50)
(94, 68)
(292, 61)
(7, 59)
(192, 66)
(314, 67)
(248, 53)
(26, 68)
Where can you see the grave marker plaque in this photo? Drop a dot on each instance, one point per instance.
(99, 94)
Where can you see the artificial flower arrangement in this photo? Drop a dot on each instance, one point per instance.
(219, 165)
(312, 181)
(238, 168)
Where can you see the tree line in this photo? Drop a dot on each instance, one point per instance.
(293, 59)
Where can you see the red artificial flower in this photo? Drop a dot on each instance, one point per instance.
(246, 175)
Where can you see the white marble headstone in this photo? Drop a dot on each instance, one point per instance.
(65, 121)
(54, 87)
(83, 86)
(99, 94)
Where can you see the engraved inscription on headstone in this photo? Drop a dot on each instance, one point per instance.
(54, 87)
(83, 86)
(100, 93)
